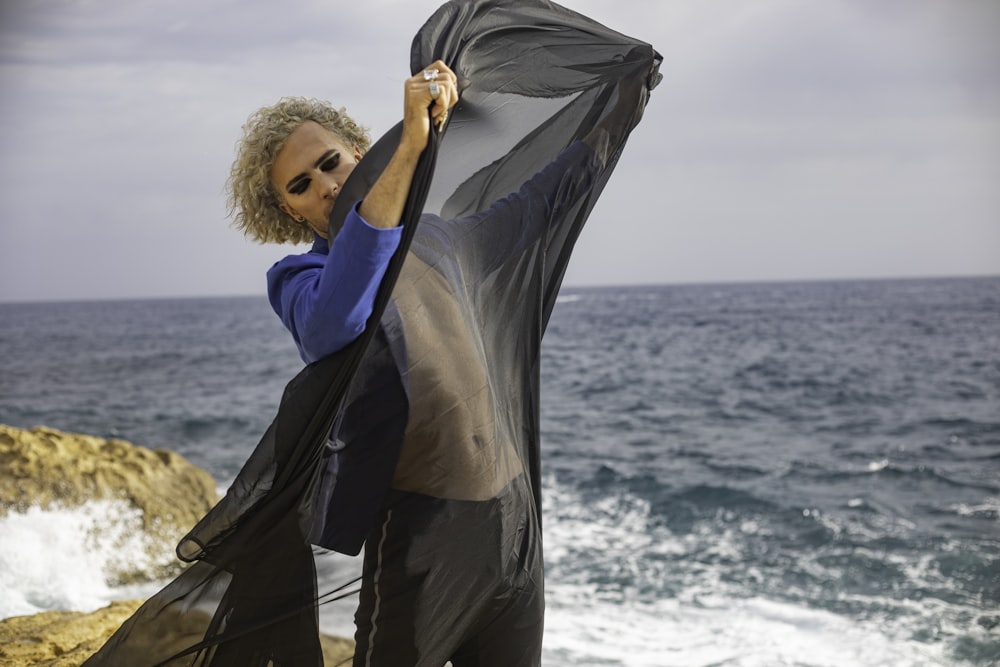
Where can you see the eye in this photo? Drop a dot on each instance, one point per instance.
(300, 186)
(332, 163)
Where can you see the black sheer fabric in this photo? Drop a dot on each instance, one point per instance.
(500, 195)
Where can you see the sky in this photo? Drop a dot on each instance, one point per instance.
(789, 139)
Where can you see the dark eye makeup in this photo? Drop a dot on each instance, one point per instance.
(328, 162)
(332, 163)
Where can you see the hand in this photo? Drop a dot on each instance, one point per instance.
(629, 99)
(386, 200)
(418, 98)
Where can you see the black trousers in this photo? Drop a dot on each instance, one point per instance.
(452, 580)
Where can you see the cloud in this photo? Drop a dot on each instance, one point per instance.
(114, 31)
(788, 139)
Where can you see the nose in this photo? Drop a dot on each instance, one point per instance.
(330, 187)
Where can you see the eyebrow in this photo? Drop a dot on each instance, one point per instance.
(322, 158)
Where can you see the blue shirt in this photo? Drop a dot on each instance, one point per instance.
(325, 296)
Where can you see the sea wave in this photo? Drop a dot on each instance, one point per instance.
(69, 558)
(728, 463)
(743, 582)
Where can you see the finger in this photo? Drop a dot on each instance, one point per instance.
(448, 96)
(440, 93)
(446, 99)
(441, 120)
(423, 93)
(443, 71)
(432, 72)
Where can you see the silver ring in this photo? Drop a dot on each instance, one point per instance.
(430, 74)
(434, 89)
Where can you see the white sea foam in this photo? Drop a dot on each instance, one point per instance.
(719, 630)
(625, 603)
(988, 509)
(568, 298)
(64, 559)
(878, 466)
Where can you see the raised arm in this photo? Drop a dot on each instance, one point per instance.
(541, 204)
(325, 297)
(383, 206)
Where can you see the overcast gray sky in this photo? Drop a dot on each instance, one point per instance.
(790, 139)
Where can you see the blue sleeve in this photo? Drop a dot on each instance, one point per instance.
(530, 212)
(523, 217)
(325, 300)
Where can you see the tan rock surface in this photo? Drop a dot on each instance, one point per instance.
(66, 639)
(51, 469)
(59, 638)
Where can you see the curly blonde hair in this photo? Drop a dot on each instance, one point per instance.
(253, 203)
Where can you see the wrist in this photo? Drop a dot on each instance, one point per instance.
(413, 139)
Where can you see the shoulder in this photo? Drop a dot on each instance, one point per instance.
(291, 265)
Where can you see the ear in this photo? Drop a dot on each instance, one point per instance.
(285, 208)
(358, 154)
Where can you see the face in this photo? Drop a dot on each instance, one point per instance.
(309, 171)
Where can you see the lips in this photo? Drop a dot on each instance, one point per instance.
(329, 209)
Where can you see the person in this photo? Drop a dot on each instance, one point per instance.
(446, 483)
(413, 431)
(294, 159)
(423, 465)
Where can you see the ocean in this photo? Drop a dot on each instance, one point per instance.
(745, 475)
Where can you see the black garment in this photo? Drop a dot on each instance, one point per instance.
(536, 78)
(424, 556)
(368, 435)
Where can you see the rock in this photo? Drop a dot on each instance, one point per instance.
(59, 638)
(51, 469)
(165, 494)
(66, 639)
(336, 650)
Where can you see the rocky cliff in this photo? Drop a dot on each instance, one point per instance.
(161, 495)
(160, 491)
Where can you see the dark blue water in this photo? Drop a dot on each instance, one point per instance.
(780, 474)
